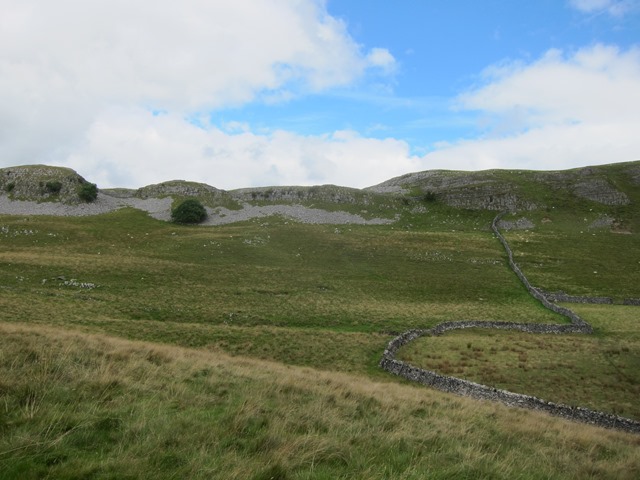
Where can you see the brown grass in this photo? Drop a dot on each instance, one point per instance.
(164, 411)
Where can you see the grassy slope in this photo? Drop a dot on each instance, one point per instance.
(87, 406)
(321, 297)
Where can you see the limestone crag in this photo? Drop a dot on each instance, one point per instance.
(497, 190)
(41, 183)
(634, 173)
(517, 190)
(320, 193)
(434, 180)
(476, 191)
(179, 188)
(487, 197)
(519, 224)
(601, 191)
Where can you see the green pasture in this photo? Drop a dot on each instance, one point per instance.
(134, 347)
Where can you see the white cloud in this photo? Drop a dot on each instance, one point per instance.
(80, 82)
(615, 8)
(592, 85)
(558, 112)
(133, 147)
(380, 57)
(569, 110)
(63, 64)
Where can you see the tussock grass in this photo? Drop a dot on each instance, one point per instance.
(80, 405)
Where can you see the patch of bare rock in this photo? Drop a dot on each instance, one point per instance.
(160, 209)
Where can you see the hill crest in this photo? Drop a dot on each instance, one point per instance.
(614, 185)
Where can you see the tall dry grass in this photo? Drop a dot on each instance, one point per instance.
(77, 405)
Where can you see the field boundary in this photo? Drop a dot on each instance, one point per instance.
(478, 391)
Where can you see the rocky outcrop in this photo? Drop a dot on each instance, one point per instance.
(517, 190)
(320, 193)
(600, 191)
(178, 188)
(487, 198)
(434, 180)
(471, 190)
(519, 224)
(634, 173)
(41, 183)
(497, 190)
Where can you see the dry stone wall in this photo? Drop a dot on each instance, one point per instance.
(566, 298)
(475, 390)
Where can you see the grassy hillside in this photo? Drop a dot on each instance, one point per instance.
(134, 347)
(90, 406)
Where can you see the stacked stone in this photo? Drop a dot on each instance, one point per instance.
(483, 392)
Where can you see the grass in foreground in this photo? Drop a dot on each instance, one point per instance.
(89, 406)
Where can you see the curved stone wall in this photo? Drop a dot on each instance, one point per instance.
(484, 392)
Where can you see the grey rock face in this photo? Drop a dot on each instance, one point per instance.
(320, 193)
(41, 183)
(520, 224)
(178, 188)
(487, 198)
(601, 191)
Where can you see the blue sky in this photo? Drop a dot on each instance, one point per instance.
(350, 92)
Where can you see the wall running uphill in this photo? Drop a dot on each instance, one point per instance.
(483, 392)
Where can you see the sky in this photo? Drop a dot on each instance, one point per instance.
(247, 93)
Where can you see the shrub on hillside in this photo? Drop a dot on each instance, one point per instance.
(429, 197)
(88, 192)
(189, 211)
(53, 187)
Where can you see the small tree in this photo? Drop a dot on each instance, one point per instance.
(189, 211)
(88, 192)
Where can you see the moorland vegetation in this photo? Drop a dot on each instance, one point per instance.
(132, 347)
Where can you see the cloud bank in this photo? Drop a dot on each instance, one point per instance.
(80, 81)
(122, 93)
(560, 111)
(615, 8)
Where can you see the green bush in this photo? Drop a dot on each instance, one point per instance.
(189, 211)
(53, 187)
(88, 192)
(429, 197)
(10, 186)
